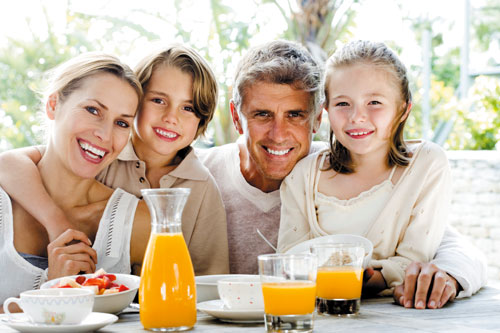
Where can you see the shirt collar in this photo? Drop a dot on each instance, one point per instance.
(128, 153)
(189, 168)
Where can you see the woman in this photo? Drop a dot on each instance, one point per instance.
(91, 101)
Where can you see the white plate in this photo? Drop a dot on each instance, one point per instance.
(94, 321)
(206, 285)
(216, 309)
(305, 246)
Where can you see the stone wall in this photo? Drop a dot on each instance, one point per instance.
(476, 202)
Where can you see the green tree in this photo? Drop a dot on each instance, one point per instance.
(318, 24)
(479, 128)
(486, 28)
(22, 65)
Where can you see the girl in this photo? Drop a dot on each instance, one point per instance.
(91, 101)
(180, 96)
(370, 182)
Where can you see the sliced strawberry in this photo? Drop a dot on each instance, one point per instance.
(94, 282)
(80, 279)
(122, 288)
(107, 282)
(112, 277)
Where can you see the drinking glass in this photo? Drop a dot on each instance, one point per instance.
(289, 290)
(340, 278)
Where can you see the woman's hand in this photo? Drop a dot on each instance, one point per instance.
(425, 285)
(70, 254)
(373, 282)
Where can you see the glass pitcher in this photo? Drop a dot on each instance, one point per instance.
(167, 294)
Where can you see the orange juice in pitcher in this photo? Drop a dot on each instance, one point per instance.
(167, 294)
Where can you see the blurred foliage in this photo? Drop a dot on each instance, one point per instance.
(479, 128)
(22, 65)
(318, 24)
(440, 97)
(486, 25)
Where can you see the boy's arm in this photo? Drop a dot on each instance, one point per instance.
(20, 178)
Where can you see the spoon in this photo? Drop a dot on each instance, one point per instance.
(266, 240)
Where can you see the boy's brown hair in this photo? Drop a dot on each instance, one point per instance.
(186, 59)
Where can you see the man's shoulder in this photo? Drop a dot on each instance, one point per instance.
(205, 154)
(317, 146)
(218, 159)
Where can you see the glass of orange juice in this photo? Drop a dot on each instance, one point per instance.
(289, 290)
(340, 278)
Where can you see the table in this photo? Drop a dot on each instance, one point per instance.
(480, 313)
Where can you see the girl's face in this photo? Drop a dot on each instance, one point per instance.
(362, 107)
(166, 122)
(92, 125)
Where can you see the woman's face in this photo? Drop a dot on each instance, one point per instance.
(92, 124)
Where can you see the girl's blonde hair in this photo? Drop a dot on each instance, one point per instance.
(380, 56)
(69, 76)
(186, 59)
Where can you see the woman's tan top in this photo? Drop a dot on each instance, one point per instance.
(203, 219)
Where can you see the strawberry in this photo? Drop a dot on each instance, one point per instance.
(122, 288)
(80, 279)
(94, 282)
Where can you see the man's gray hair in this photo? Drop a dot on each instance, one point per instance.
(280, 62)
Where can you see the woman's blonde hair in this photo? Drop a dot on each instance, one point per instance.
(186, 59)
(69, 76)
(380, 56)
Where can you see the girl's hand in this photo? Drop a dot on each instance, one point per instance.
(373, 282)
(425, 285)
(70, 254)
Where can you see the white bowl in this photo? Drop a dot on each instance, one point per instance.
(206, 285)
(305, 247)
(241, 293)
(110, 303)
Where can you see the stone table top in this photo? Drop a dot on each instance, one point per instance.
(479, 313)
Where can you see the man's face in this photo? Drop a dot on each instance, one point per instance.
(278, 125)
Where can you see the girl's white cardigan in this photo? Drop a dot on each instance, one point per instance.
(409, 228)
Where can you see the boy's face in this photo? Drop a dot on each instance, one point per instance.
(166, 121)
(277, 124)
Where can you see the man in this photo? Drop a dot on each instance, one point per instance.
(276, 107)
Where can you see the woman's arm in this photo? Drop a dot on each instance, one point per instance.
(19, 176)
